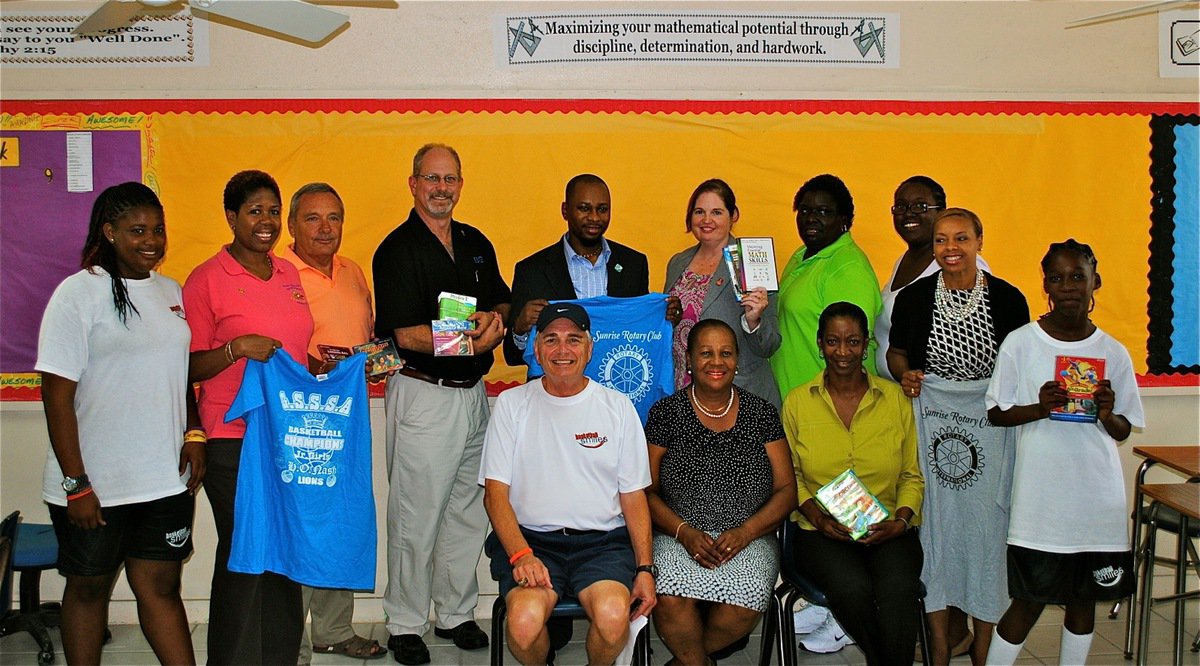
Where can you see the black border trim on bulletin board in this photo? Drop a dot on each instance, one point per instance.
(1161, 304)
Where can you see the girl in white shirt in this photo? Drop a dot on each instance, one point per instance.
(1068, 543)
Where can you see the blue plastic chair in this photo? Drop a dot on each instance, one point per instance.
(779, 625)
(35, 549)
(566, 607)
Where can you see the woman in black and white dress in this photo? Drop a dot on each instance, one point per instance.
(946, 330)
(722, 483)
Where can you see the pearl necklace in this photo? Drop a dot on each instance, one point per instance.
(945, 302)
(712, 415)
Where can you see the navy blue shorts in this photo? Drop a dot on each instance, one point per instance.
(158, 529)
(1061, 578)
(574, 561)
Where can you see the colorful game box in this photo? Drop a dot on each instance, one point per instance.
(382, 355)
(1080, 377)
(851, 504)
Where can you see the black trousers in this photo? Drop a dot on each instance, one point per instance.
(872, 590)
(252, 619)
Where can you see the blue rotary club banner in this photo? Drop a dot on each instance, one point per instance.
(631, 350)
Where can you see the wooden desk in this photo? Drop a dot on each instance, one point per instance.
(1184, 498)
(1182, 459)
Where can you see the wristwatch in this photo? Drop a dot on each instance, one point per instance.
(648, 568)
(73, 484)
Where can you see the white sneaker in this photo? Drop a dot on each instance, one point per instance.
(829, 637)
(809, 617)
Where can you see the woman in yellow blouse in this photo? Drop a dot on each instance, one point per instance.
(847, 419)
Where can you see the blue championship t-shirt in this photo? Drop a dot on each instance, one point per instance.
(304, 506)
(631, 350)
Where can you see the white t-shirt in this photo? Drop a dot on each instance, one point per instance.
(566, 460)
(1068, 489)
(883, 325)
(131, 379)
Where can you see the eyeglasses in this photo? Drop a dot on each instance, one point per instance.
(434, 179)
(916, 208)
(820, 211)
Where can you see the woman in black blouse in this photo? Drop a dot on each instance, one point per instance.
(946, 330)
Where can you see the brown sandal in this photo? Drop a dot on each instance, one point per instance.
(355, 647)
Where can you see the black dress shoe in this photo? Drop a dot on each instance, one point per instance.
(561, 629)
(466, 636)
(736, 646)
(408, 649)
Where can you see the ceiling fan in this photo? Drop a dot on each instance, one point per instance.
(1158, 6)
(293, 18)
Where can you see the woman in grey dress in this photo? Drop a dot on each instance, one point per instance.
(722, 481)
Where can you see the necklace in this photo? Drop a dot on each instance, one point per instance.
(270, 264)
(956, 312)
(591, 255)
(712, 415)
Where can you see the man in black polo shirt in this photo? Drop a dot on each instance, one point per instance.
(437, 410)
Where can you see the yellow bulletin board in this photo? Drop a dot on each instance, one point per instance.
(1035, 173)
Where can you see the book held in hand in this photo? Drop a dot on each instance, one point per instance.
(758, 264)
(1079, 376)
(851, 504)
(751, 264)
(382, 356)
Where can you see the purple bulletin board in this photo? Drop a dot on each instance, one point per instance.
(43, 227)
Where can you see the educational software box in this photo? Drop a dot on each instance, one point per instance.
(851, 504)
(1079, 376)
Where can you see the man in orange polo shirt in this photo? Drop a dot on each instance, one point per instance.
(343, 316)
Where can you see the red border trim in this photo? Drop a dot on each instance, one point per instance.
(898, 107)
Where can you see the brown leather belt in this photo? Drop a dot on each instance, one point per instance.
(452, 383)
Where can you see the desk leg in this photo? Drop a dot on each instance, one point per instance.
(1147, 589)
(1138, 552)
(1180, 580)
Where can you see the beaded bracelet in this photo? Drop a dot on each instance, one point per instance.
(519, 554)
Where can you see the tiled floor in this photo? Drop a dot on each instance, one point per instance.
(128, 647)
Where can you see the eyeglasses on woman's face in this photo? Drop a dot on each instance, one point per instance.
(916, 208)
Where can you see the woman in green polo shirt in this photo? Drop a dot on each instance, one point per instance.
(828, 268)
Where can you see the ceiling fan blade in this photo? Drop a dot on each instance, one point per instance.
(111, 14)
(1126, 13)
(293, 18)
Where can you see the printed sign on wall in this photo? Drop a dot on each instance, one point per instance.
(819, 40)
(47, 39)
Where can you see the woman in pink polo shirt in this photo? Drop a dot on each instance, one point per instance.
(244, 303)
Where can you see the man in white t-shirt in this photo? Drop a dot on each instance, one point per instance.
(565, 467)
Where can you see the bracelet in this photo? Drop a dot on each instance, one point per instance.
(679, 527)
(195, 435)
(519, 554)
(229, 352)
(907, 525)
(83, 493)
